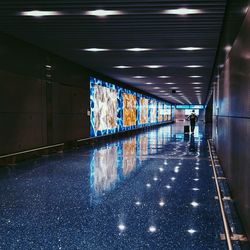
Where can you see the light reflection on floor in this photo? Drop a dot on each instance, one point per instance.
(149, 191)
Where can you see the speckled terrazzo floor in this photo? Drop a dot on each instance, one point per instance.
(150, 191)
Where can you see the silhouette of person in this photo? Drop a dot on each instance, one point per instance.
(193, 118)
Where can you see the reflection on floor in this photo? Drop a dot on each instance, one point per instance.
(150, 191)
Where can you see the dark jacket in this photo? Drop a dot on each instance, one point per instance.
(193, 118)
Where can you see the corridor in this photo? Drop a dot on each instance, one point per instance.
(153, 190)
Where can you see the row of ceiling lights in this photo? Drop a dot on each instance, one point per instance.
(157, 66)
(139, 49)
(154, 66)
(104, 13)
(162, 77)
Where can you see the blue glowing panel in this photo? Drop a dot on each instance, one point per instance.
(196, 106)
(144, 105)
(104, 107)
(168, 112)
(114, 109)
(182, 106)
(153, 111)
(128, 109)
(189, 106)
(160, 112)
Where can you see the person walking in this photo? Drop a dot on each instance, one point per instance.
(193, 118)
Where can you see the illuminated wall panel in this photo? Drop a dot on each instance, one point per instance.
(153, 111)
(105, 110)
(129, 109)
(160, 112)
(114, 109)
(143, 110)
(104, 107)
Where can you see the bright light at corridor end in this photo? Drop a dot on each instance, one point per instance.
(40, 13)
(182, 11)
(103, 13)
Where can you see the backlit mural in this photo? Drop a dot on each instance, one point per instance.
(114, 109)
(129, 109)
(153, 111)
(105, 109)
(160, 111)
(169, 118)
(143, 110)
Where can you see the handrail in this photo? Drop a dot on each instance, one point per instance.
(223, 214)
(31, 150)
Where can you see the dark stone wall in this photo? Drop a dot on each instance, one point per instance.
(44, 98)
(231, 120)
(39, 105)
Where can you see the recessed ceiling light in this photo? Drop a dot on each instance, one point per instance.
(153, 66)
(174, 88)
(148, 83)
(139, 77)
(193, 66)
(122, 67)
(103, 13)
(40, 13)
(197, 87)
(162, 91)
(156, 88)
(196, 83)
(96, 49)
(138, 49)
(169, 83)
(163, 77)
(190, 48)
(197, 91)
(195, 76)
(182, 11)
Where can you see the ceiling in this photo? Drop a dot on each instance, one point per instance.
(68, 29)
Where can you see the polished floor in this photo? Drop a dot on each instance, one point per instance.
(150, 191)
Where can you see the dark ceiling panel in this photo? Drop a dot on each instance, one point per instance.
(142, 25)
